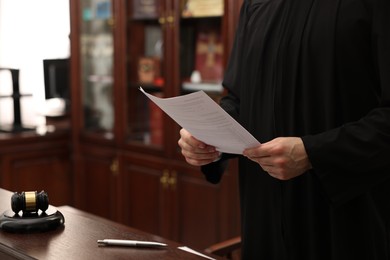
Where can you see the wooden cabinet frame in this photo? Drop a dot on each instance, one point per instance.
(154, 188)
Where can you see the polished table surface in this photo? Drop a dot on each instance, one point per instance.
(77, 239)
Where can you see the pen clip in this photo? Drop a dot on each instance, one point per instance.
(101, 242)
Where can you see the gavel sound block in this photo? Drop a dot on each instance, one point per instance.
(30, 213)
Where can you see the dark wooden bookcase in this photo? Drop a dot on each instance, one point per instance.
(127, 164)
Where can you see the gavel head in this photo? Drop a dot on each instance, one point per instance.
(29, 201)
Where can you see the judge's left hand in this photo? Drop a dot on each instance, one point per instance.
(283, 158)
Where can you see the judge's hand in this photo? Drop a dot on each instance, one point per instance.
(196, 152)
(283, 158)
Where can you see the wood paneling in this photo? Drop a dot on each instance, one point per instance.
(32, 162)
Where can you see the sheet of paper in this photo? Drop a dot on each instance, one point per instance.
(189, 250)
(206, 121)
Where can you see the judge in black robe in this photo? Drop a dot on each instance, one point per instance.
(316, 71)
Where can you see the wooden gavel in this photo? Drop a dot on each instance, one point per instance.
(29, 201)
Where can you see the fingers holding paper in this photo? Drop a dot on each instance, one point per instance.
(283, 158)
(196, 152)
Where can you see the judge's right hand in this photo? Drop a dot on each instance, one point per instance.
(196, 152)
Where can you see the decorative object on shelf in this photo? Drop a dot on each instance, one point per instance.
(17, 125)
(148, 69)
(196, 77)
(145, 9)
(31, 213)
(153, 41)
(209, 55)
(202, 8)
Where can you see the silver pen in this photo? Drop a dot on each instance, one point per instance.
(134, 243)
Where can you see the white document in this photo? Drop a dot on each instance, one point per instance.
(189, 250)
(206, 121)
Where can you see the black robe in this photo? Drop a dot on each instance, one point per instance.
(320, 70)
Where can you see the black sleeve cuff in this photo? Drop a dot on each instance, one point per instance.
(213, 172)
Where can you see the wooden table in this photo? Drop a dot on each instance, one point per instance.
(78, 240)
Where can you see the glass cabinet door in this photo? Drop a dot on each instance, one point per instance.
(97, 47)
(146, 69)
(174, 47)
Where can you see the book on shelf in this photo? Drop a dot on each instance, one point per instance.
(156, 123)
(103, 9)
(209, 56)
(145, 9)
(202, 8)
